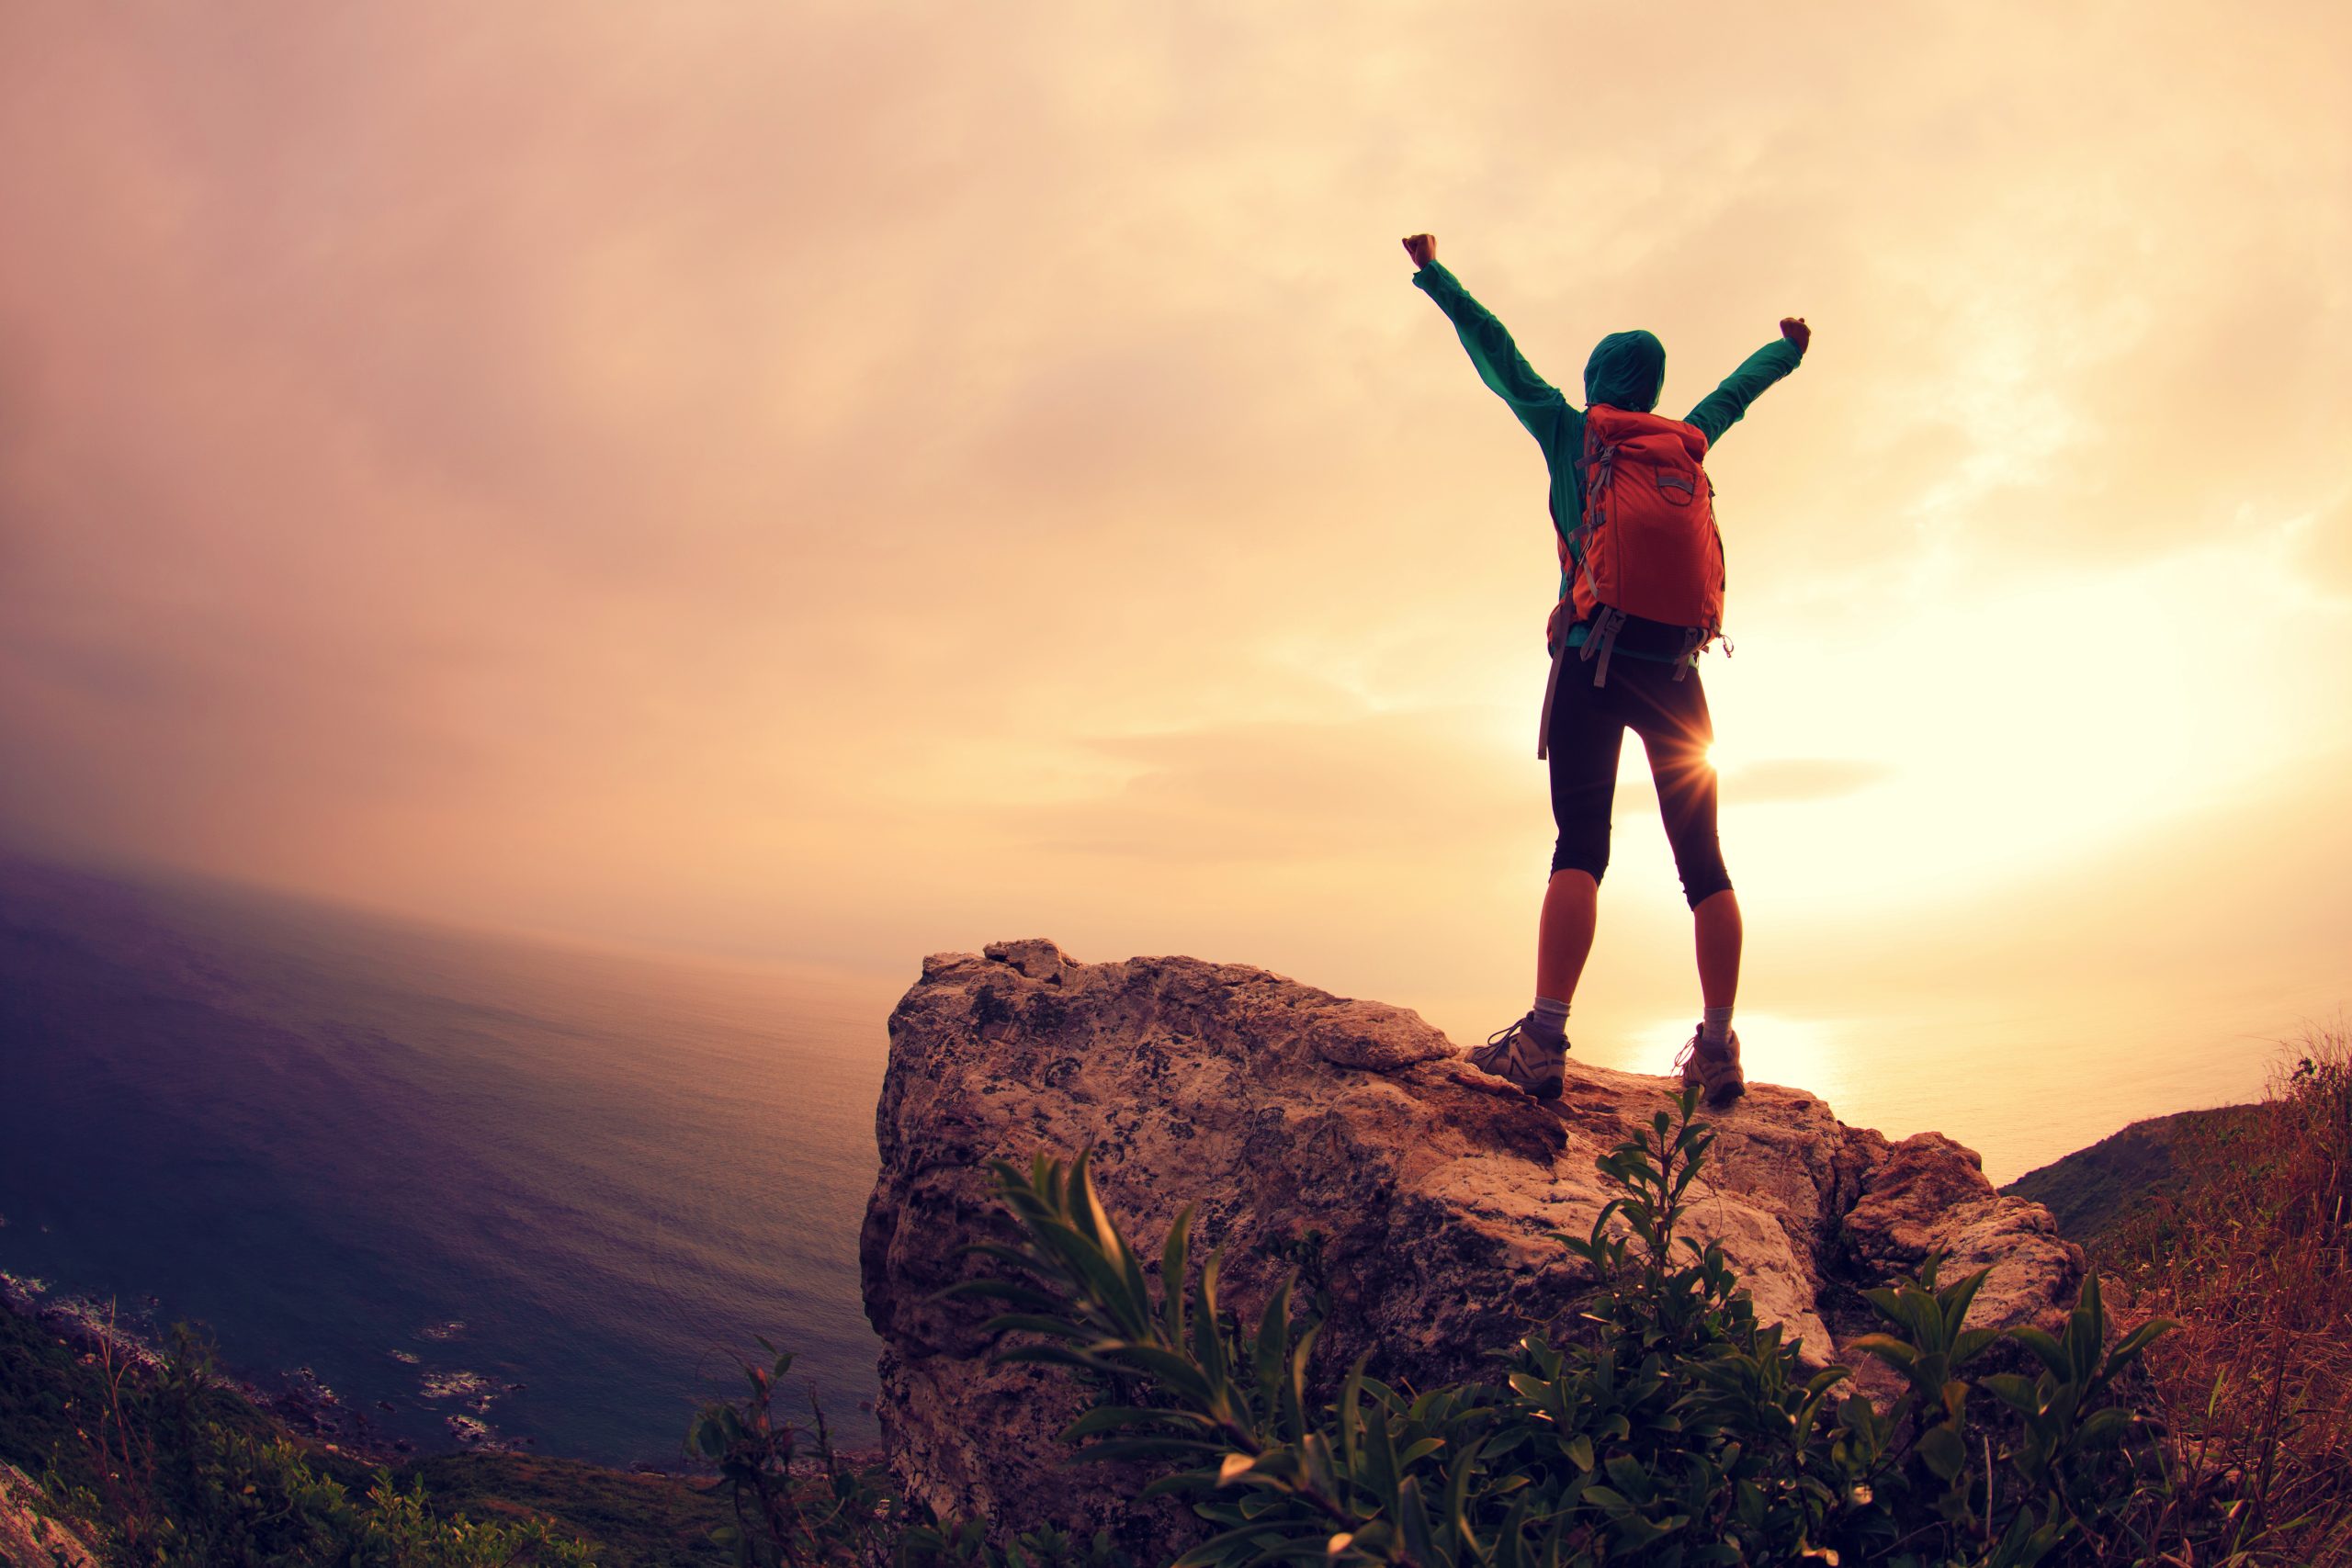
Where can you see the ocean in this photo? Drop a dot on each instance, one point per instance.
(482, 1190)
(492, 1192)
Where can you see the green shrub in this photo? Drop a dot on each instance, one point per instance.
(1672, 1428)
(799, 1504)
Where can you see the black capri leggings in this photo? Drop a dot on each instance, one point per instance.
(1588, 725)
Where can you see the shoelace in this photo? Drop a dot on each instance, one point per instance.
(1692, 1046)
(1507, 1034)
(1497, 1046)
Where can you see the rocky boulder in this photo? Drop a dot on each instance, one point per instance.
(1430, 1191)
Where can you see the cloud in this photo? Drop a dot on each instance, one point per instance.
(1801, 778)
(1395, 790)
(801, 475)
(2325, 547)
(1779, 781)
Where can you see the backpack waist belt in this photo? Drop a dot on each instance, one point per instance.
(1599, 643)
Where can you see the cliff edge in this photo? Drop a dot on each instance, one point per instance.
(1351, 1138)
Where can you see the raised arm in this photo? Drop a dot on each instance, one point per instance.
(1721, 409)
(1500, 366)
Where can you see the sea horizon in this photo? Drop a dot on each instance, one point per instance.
(489, 1189)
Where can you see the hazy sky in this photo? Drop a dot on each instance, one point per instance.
(839, 482)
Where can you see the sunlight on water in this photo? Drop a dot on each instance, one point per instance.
(2022, 1091)
(1799, 1051)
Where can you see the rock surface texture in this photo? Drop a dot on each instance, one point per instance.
(1282, 1111)
(30, 1536)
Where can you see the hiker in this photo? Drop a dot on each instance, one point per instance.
(1641, 596)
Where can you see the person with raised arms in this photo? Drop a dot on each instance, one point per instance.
(1641, 597)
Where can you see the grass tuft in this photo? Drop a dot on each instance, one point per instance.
(2251, 1252)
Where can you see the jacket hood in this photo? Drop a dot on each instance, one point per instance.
(1625, 371)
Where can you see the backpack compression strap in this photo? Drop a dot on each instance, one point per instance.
(1602, 639)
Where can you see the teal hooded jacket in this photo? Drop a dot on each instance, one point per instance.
(1625, 371)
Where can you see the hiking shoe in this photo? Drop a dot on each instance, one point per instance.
(1517, 1057)
(1715, 1068)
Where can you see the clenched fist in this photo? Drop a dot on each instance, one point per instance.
(1422, 248)
(1793, 329)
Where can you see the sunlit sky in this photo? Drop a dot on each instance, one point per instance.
(834, 482)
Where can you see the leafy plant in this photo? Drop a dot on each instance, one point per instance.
(798, 1503)
(781, 1517)
(1664, 1424)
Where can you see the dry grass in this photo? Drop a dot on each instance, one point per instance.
(2253, 1256)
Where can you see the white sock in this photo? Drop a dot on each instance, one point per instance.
(1715, 1026)
(1551, 1015)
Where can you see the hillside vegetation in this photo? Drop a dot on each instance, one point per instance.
(2093, 1191)
(2250, 1248)
(163, 1463)
(1663, 1427)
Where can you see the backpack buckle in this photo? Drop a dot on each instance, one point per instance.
(1693, 638)
(1602, 639)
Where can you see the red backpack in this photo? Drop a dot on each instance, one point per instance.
(1647, 545)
